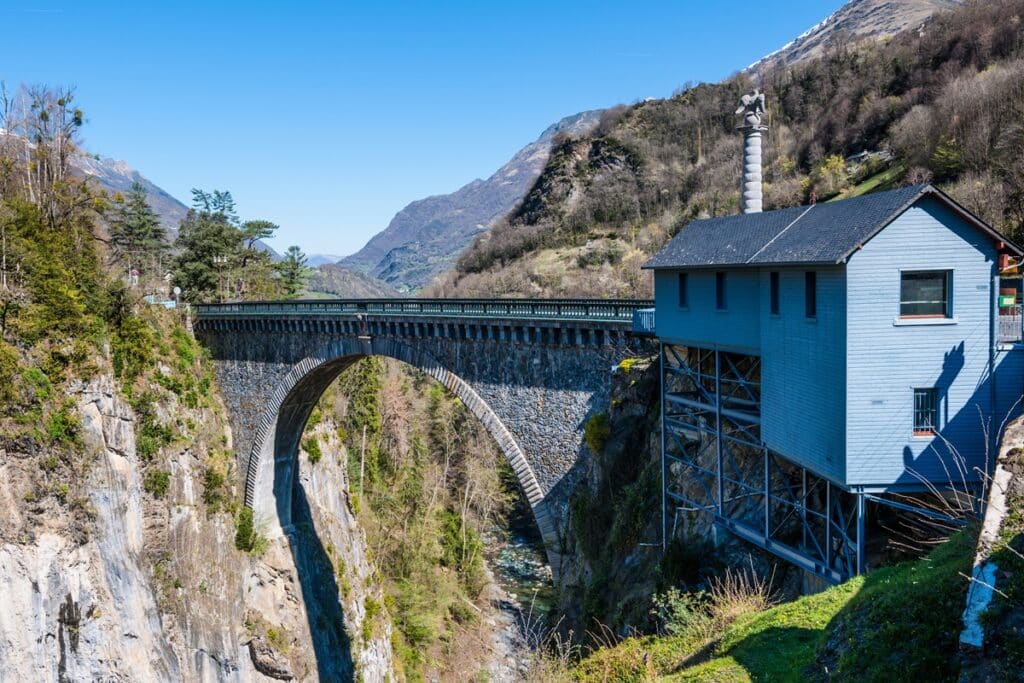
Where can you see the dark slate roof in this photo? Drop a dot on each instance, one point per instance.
(820, 234)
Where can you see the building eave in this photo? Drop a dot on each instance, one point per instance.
(1003, 242)
(763, 265)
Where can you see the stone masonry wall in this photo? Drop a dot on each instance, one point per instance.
(533, 387)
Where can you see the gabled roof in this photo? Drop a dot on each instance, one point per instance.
(820, 234)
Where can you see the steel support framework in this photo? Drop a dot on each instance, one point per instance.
(714, 461)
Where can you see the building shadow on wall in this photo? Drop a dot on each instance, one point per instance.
(320, 593)
(969, 434)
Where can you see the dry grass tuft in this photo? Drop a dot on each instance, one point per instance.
(736, 593)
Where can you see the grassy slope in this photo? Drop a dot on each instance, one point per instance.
(885, 180)
(897, 623)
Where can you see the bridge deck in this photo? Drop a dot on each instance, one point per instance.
(575, 310)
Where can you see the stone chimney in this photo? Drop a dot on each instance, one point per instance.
(752, 109)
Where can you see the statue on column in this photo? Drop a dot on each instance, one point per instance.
(752, 109)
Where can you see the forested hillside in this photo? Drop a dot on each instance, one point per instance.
(333, 280)
(941, 104)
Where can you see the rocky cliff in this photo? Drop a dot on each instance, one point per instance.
(110, 576)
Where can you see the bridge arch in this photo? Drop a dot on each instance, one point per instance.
(273, 459)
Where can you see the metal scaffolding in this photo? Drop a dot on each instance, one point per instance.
(714, 461)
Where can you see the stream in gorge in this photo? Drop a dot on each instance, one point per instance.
(521, 589)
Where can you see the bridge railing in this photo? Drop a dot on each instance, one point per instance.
(610, 310)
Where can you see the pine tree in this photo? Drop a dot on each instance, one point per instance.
(210, 246)
(136, 236)
(293, 271)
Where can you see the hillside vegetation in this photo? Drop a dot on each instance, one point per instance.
(425, 482)
(333, 280)
(897, 623)
(945, 102)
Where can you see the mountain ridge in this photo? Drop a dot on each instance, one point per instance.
(855, 21)
(423, 239)
(115, 175)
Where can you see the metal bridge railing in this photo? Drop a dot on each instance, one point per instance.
(604, 310)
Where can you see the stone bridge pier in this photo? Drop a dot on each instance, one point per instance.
(531, 372)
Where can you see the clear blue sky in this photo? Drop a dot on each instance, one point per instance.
(327, 118)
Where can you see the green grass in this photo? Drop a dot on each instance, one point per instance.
(897, 623)
(886, 180)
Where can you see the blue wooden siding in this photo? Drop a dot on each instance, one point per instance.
(700, 324)
(1009, 385)
(803, 372)
(886, 360)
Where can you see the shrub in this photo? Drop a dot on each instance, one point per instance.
(278, 638)
(596, 432)
(184, 348)
(247, 533)
(215, 494)
(39, 382)
(62, 426)
(633, 509)
(373, 608)
(700, 616)
(157, 482)
(244, 530)
(683, 613)
(316, 416)
(312, 448)
(152, 437)
(131, 346)
(8, 372)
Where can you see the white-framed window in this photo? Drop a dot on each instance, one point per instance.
(926, 294)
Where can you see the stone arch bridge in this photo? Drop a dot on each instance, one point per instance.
(531, 371)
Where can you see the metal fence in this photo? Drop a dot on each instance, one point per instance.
(593, 310)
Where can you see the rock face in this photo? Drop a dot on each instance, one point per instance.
(993, 616)
(424, 238)
(153, 590)
(855, 21)
(335, 555)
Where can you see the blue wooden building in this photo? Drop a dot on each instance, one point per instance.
(820, 358)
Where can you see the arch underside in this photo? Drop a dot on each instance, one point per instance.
(270, 475)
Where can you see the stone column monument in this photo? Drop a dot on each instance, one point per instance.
(752, 109)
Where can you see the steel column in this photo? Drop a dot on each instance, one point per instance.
(664, 461)
(718, 431)
(860, 533)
